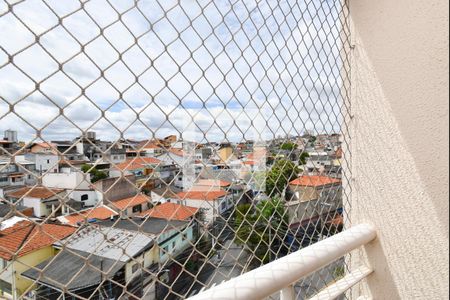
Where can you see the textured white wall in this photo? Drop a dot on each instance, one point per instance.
(400, 144)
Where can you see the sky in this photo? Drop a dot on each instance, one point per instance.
(218, 70)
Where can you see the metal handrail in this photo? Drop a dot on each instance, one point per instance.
(281, 274)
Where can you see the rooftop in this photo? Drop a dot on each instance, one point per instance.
(26, 236)
(314, 181)
(170, 211)
(130, 202)
(39, 192)
(153, 226)
(99, 213)
(112, 243)
(202, 195)
(81, 270)
(137, 163)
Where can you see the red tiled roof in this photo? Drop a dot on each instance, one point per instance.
(213, 182)
(99, 213)
(35, 192)
(26, 237)
(170, 211)
(130, 202)
(314, 181)
(202, 195)
(137, 163)
(176, 151)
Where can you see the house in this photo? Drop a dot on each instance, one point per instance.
(44, 162)
(63, 149)
(9, 143)
(171, 211)
(116, 188)
(211, 185)
(145, 169)
(25, 244)
(44, 201)
(90, 215)
(117, 256)
(165, 193)
(311, 197)
(17, 173)
(173, 156)
(99, 151)
(8, 210)
(225, 153)
(212, 203)
(132, 205)
(173, 237)
(76, 184)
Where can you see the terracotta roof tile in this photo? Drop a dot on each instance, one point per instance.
(99, 213)
(130, 202)
(314, 181)
(213, 182)
(26, 236)
(35, 192)
(137, 163)
(170, 211)
(202, 195)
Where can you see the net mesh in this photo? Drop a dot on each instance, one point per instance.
(155, 148)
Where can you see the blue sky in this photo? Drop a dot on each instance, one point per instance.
(216, 64)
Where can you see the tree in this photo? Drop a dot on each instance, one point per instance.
(303, 157)
(279, 176)
(288, 146)
(260, 228)
(96, 175)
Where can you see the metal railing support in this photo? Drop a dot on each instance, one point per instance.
(277, 275)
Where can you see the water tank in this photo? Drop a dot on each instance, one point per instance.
(90, 135)
(11, 135)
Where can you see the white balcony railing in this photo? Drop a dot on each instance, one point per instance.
(280, 275)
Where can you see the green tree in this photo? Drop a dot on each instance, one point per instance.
(260, 228)
(303, 157)
(279, 176)
(96, 175)
(288, 146)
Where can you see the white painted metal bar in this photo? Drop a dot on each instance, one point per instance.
(288, 293)
(341, 286)
(275, 276)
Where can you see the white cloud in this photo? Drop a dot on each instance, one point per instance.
(279, 58)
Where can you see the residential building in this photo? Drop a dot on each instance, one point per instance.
(165, 193)
(64, 149)
(43, 161)
(9, 210)
(116, 188)
(76, 184)
(17, 174)
(212, 203)
(145, 170)
(171, 211)
(173, 237)
(96, 150)
(130, 206)
(124, 254)
(25, 244)
(90, 215)
(44, 201)
(312, 198)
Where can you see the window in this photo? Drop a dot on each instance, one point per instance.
(5, 287)
(84, 197)
(137, 208)
(134, 268)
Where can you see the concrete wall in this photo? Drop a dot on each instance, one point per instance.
(400, 144)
